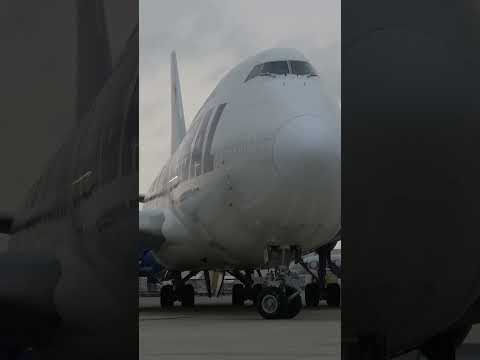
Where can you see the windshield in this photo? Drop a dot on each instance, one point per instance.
(254, 72)
(302, 68)
(275, 67)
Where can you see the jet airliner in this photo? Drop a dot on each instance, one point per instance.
(254, 182)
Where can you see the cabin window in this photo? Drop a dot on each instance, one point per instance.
(198, 144)
(186, 147)
(208, 156)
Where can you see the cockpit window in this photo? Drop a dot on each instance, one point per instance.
(256, 70)
(302, 68)
(273, 68)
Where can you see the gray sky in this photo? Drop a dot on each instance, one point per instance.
(212, 36)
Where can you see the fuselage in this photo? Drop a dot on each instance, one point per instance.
(260, 165)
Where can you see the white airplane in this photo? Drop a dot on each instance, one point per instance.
(254, 182)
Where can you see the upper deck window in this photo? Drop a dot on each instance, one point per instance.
(302, 68)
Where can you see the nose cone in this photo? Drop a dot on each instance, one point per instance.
(306, 152)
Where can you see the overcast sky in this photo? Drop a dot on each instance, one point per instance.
(211, 37)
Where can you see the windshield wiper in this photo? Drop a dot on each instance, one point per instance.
(310, 75)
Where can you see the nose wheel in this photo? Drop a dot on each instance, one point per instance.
(280, 297)
(273, 303)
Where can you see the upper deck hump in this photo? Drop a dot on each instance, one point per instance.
(238, 74)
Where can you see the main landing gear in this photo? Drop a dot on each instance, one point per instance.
(318, 289)
(247, 290)
(185, 293)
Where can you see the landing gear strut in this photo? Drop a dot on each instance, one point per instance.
(280, 298)
(318, 289)
(247, 290)
(181, 291)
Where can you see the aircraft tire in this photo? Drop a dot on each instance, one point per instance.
(333, 295)
(167, 296)
(238, 297)
(188, 295)
(312, 295)
(271, 303)
(294, 306)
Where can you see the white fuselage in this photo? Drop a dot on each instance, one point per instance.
(267, 172)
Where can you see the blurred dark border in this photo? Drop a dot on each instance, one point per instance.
(410, 194)
(69, 77)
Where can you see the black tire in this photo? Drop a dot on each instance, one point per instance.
(188, 295)
(293, 306)
(271, 303)
(256, 289)
(167, 296)
(238, 297)
(312, 295)
(333, 295)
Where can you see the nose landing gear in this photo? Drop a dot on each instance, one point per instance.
(282, 302)
(280, 298)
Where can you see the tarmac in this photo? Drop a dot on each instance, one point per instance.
(215, 330)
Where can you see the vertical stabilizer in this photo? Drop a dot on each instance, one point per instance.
(94, 62)
(178, 120)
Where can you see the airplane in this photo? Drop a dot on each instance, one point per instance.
(254, 182)
(71, 242)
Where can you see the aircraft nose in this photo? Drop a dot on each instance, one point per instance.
(306, 152)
